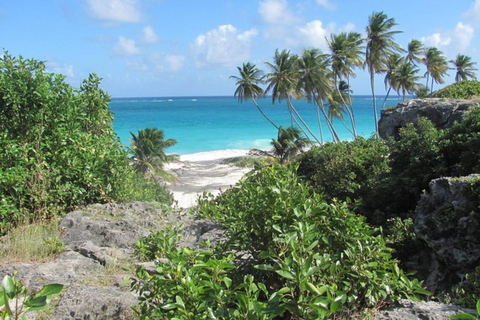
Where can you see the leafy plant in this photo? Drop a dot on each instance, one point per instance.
(15, 302)
(459, 90)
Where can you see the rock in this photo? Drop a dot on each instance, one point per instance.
(442, 112)
(99, 241)
(410, 310)
(448, 221)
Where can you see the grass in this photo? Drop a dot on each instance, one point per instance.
(247, 162)
(37, 242)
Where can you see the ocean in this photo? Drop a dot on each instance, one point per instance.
(201, 124)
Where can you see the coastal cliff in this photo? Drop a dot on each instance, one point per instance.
(441, 112)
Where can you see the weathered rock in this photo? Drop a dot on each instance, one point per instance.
(99, 241)
(448, 221)
(442, 112)
(410, 310)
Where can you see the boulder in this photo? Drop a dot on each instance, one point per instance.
(411, 310)
(448, 220)
(442, 112)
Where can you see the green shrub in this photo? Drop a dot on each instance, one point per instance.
(346, 170)
(58, 146)
(459, 90)
(290, 255)
(461, 143)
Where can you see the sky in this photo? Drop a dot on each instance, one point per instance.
(147, 48)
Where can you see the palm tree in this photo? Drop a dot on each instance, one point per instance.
(380, 45)
(336, 102)
(390, 79)
(436, 65)
(406, 78)
(465, 68)
(148, 152)
(288, 144)
(415, 51)
(345, 54)
(248, 88)
(315, 82)
(282, 83)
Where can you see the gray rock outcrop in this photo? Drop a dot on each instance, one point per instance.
(448, 220)
(99, 241)
(442, 112)
(410, 310)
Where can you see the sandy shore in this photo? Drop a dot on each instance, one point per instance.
(201, 172)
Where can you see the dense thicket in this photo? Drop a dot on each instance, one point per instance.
(460, 90)
(58, 149)
(289, 255)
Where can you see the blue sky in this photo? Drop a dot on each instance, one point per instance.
(191, 47)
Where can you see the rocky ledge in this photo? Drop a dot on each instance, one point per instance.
(442, 112)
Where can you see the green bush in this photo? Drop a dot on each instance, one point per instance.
(346, 170)
(459, 90)
(58, 146)
(289, 255)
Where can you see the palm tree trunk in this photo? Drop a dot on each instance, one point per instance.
(350, 108)
(350, 114)
(386, 97)
(263, 114)
(334, 133)
(301, 119)
(320, 125)
(372, 84)
(292, 117)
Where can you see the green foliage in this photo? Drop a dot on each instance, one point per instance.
(58, 146)
(459, 90)
(290, 255)
(467, 292)
(345, 170)
(15, 302)
(461, 143)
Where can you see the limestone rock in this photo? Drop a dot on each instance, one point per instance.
(442, 112)
(448, 221)
(410, 310)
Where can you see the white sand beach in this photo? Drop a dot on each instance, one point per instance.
(204, 171)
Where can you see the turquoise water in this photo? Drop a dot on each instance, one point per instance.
(217, 123)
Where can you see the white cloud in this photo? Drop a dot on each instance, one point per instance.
(62, 68)
(276, 12)
(452, 42)
(126, 47)
(473, 14)
(223, 46)
(327, 4)
(149, 35)
(115, 10)
(349, 27)
(175, 62)
(313, 34)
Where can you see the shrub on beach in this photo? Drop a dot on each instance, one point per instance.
(460, 90)
(59, 149)
(289, 255)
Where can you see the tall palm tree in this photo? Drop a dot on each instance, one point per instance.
(390, 79)
(336, 102)
(436, 65)
(315, 82)
(406, 78)
(148, 151)
(345, 54)
(415, 51)
(248, 88)
(282, 83)
(464, 67)
(380, 45)
(288, 144)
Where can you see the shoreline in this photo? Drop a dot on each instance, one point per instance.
(204, 172)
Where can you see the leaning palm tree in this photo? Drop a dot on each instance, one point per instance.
(337, 102)
(315, 82)
(248, 88)
(415, 51)
(148, 152)
(282, 83)
(406, 78)
(464, 67)
(390, 79)
(436, 65)
(288, 144)
(380, 45)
